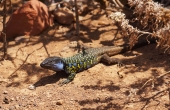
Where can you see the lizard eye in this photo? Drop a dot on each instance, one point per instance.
(50, 62)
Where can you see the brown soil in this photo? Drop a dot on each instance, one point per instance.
(144, 84)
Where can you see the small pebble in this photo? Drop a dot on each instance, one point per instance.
(16, 106)
(12, 108)
(6, 101)
(59, 102)
(5, 92)
(12, 99)
(31, 87)
(17, 98)
(35, 104)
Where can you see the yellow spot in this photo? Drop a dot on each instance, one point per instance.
(91, 61)
(78, 65)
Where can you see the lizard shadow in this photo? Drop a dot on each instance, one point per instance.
(50, 79)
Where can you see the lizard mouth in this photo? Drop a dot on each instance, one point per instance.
(45, 66)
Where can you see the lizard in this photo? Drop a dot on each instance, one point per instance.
(85, 59)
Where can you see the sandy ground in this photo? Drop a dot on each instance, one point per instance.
(144, 85)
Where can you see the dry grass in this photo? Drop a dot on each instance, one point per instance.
(152, 17)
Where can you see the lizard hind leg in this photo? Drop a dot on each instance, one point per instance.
(108, 60)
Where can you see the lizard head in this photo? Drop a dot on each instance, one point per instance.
(53, 63)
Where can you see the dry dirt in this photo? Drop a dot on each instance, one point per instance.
(144, 85)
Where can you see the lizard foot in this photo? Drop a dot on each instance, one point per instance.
(120, 64)
(65, 81)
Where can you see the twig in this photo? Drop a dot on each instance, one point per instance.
(152, 79)
(118, 3)
(77, 18)
(4, 30)
(146, 83)
(24, 62)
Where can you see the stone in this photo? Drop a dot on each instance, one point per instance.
(63, 16)
(84, 9)
(5, 92)
(30, 19)
(6, 101)
(31, 87)
(59, 102)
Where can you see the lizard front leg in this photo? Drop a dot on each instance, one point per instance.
(69, 79)
(82, 47)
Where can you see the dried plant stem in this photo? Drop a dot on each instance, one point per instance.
(152, 16)
(4, 30)
(77, 18)
(153, 79)
(118, 3)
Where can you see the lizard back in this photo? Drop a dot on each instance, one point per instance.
(91, 57)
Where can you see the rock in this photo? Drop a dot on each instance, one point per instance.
(17, 98)
(63, 16)
(12, 99)
(31, 87)
(5, 92)
(59, 102)
(84, 9)
(6, 101)
(22, 39)
(12, 108)
(30, 19)
(16, 107)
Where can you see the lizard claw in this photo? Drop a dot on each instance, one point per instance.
(120, 64)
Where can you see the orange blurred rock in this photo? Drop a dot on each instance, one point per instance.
(64, 16)
(30, 19)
